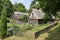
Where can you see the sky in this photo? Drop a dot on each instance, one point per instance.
(25, 2)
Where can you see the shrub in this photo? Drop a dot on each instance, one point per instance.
(29, 27)
(17, 31)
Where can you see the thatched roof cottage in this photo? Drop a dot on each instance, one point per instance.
(36, 17)
(17, 16)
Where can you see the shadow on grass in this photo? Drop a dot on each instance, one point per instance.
(54, 35)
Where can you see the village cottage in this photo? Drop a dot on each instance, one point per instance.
(17, 17)
(36, 17)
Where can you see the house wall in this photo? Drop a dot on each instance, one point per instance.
(33, 21)
(16, 21)
(40, 21)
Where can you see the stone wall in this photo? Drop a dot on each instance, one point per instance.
(46, 29)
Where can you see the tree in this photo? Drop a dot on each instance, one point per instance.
(3, 24)
(50, 7)
(25, 18)
(1, 7)
(19, 7)
(6, 9)
(8, 5)
(34, 4)
(9, 8)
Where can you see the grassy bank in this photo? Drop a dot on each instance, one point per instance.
(39, 27)
(52, 34)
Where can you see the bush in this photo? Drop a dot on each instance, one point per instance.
(29, 27)
(26, 27)
(8, 21)
(25, 18)
(17, 31)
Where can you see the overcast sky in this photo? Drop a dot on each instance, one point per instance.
(25, 2)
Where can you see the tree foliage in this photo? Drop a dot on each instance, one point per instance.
(8, 5)
(25, 18)
(19, 7)
(34, 4)
(50, 7)
(6, 9)
(3, 24)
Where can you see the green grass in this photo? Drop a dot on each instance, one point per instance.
(11, 24)
(39, 27)
(52, 34)
(33, 28)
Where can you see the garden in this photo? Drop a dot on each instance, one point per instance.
(24, 31)
(19, 30)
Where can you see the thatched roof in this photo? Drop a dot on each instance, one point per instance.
(18, 15)
(37, 14)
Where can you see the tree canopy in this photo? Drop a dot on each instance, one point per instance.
(19, 7)
(8, 5)
(34, 4)
(3, 24)
(6, 9)
(50, 7)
